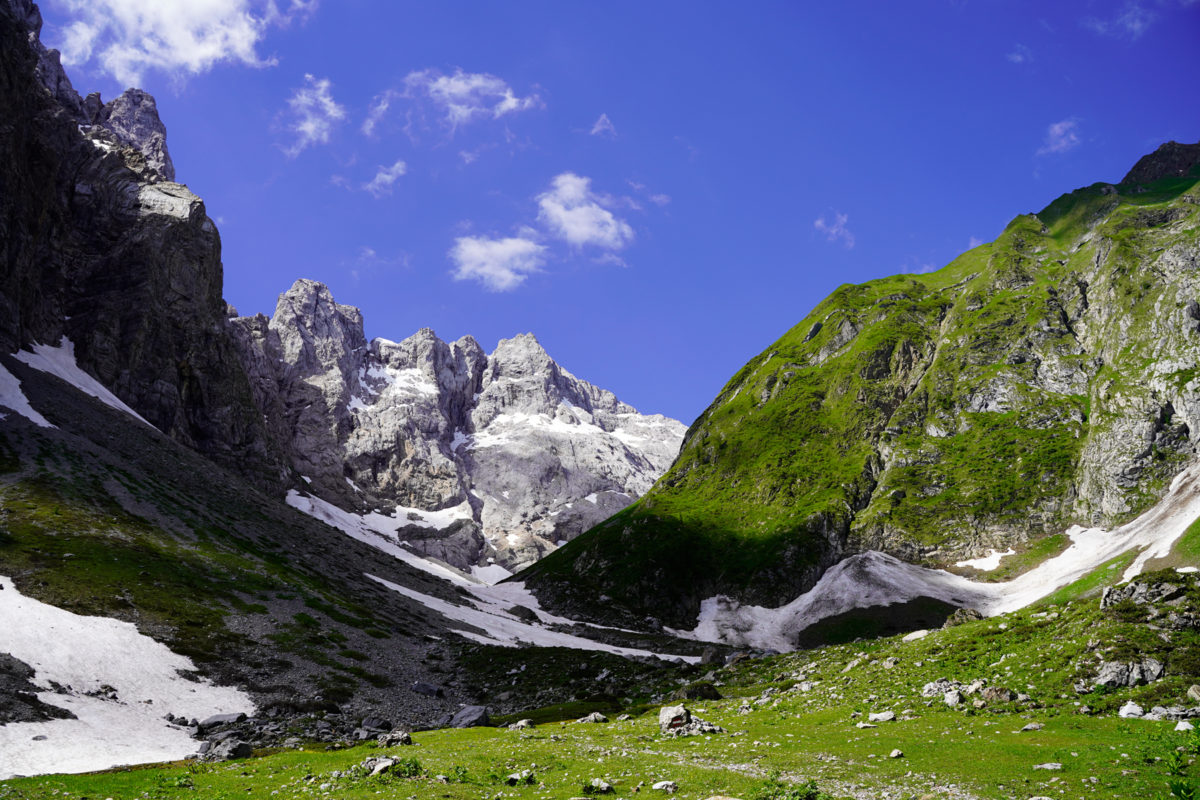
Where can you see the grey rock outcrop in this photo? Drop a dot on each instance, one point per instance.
(100, 246)
(477, 458)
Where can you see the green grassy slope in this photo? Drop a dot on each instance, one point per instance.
(991, 403)
(792, 728)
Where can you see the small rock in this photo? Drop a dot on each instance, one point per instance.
(1130, 709)
(915, 635)
(1184, 725)
(952, 697)
(1193, 693)
(595, 716)
(1033, 726)
(896, 754)
(523, 778)
(882, 716)
(864, 725)
(600, 786)
(382, 765)
(1050, 765)
(428, 689)
(521, 725)
(670, 787)
(394, 739)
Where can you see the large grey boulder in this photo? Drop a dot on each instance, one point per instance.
(471, 717)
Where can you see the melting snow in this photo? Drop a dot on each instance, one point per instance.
(986, 563)
(82, 654)
(506, 630)
(60, 362)
(12, 397)
(874, 579)
(492, 573)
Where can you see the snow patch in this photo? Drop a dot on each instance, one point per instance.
(60, 362)
(12, 397)
(876, 579)
(986, 563)
(82, 654)
(508, 631)
(492, 573)
(372, 529)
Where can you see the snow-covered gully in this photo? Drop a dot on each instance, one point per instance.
(876, 579)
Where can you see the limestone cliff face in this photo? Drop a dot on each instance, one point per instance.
(100, 245)
(489, 458)
(1046, 379)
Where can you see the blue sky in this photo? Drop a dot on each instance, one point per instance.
(657, 190)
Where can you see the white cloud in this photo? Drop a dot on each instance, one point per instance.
(498, 264)
(573, 213)
(381, 184)
(1060, 137)
(128, 38)
(1131, 22)
(974, 242)
(377, 111)
(466, 96)
(603, 127)
(314, 114)
(836, 230)
(1020, 54)
(658, 198)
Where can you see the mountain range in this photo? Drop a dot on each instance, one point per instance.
(337, 536)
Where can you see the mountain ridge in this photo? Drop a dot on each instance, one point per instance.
(1038, 381)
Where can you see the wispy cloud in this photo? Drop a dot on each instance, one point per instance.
(1060, 137)
(128, 38)
(603, 127)
(1020, 54)
(974, 242)
(367, 262)
(835, 231)
(658, 198)
(1130, 22)
(467, 96)
(378, 110)
(381, 184)
(313, 114)
(572, 212)
(500, 265)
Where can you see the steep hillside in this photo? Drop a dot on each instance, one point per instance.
(1043, 380)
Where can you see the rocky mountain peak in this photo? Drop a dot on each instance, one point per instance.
(317, 334)
(1170, 160)
(133, 119)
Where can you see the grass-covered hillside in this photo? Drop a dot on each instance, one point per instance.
(1044, 379)
(1008, 707)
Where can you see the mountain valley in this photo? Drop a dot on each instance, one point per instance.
(940, 539)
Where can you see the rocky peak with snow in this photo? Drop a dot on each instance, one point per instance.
(133, 119)
(477, 459)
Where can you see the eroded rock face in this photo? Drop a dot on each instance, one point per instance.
(100, 246)
(483, 458)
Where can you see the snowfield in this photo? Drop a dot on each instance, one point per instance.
(60, 362)
(876, 579)
(84, 654)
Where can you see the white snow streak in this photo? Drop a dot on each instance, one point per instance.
(506, 630)
(986, 563)
(82, 654)
(60, 362)
(12, 397)
(875, 579)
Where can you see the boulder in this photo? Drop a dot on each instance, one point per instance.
(428, 689)
(229, 750)
(882, 716)
(595, 716)
(1114, 674)
(952, 698)
(670, 787)
(671, 718)
(395, 739)
(471, 717)
(997, 694)
(1130, 710)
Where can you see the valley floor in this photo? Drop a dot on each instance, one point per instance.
(790, 720)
